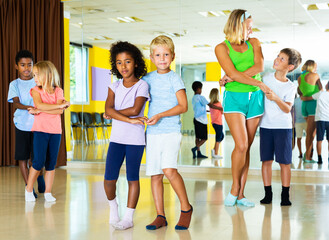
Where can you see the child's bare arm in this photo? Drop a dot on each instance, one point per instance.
(284, 106)
(46, 106)
(136, 109)
(111, 112)
(215, 107)
(18, 105)
(181, 107)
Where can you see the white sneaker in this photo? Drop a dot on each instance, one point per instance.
(213, 155)
(29, 197)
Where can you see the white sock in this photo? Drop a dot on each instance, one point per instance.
(127, 221)
(29, 197)
(49, 197)
(114, 213)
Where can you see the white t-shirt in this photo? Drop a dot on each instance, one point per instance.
(322, 106)
(274, 117)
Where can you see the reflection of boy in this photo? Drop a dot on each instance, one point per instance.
(163, 138)
(19, 95)
(200, 120)
(276, 124)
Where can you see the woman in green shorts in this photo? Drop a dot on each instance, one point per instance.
(309, 83)
(242, 60)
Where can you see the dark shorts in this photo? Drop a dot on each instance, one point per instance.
(219, 132)
(276, 142)
(321, 128)
(116, 154)
(23, 145)
(45, 148)
(201, 130)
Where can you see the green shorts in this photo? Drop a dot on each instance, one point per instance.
(250, 104)
(308, 108)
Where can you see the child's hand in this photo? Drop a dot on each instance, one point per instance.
(271, 95)
(265, 88)
(33, 111)
(153, 120)
(136, 121)
(225, 80)
(65, 104)
(106, 117)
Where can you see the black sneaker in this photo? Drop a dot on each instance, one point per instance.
(200, 155)
(194, 151)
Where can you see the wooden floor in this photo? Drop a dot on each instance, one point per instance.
(81, 210)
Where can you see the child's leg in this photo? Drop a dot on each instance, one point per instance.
(299, 145)
(49, 180)
(216, 147)
(310, 133)
(24, 169)
(267, 180)
(319, 150)
(178, 185)
(33, 175)
(285, 179)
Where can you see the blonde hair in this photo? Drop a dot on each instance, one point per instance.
(214, 95)
(48, 75)
(309, 66)
(234, 26)
(162, 40)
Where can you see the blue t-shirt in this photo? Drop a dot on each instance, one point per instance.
(298, 111)
(21, 89)
(199, 107)
(163, 88)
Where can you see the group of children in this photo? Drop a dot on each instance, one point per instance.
(125, 104)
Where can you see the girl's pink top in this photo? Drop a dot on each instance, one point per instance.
(216, 115)
(45, 122)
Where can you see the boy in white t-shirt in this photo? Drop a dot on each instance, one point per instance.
(321, 118)
(276, 124)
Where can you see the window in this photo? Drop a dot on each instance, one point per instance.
(79, 86)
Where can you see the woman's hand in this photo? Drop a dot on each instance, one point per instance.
(264, 88)
(225, 80)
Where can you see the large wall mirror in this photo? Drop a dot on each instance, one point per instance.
(196, 27)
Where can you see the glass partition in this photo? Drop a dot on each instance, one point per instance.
(196, 27)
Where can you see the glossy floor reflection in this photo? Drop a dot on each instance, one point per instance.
(81, 211)
(97, 153)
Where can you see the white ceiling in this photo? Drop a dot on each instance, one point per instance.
(274, 18)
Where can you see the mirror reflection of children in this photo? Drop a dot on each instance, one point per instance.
(216, 120)
(200, 120)
(49, 104)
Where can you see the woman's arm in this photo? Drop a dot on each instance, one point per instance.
(111, 112)
(258, 66)
(228, 67)
(181, 107)
(46, 106)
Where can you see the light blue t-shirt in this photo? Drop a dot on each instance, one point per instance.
(199, 107)
(163, 88)
(21, 89)
(298, 111)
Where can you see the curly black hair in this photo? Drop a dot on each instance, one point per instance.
(196, 85)
(120, 47)
(23, 54)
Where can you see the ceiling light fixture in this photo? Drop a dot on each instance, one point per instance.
(215, 13)
(126, 19)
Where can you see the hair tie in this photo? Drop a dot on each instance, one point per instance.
(245, 16)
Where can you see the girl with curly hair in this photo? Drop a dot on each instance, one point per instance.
(125, 104)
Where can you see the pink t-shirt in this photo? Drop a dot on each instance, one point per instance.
(123, 132)
(45, 122)
(216, 115)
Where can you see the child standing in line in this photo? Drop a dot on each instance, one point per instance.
(200, 120)
(276, 124)
(216, 120)
(19, 95)
(125, 104)
(321, 118)
(163, 136)
(49, 102)
(300, 124)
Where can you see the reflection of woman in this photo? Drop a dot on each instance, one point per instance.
(309, 83)
(242, 60)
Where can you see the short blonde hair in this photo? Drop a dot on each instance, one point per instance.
(214, 95)
(234, 26)
(309, 66)
(48, 74)
(162, 40)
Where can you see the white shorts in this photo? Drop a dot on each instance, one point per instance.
(299, 129)
(161, 152)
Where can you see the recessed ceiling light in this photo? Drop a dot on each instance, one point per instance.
(326, 30)
(201, 46)
(256, 30)
(316, 6)
(215, 13)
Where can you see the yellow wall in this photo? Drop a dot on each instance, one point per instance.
(67, 115)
